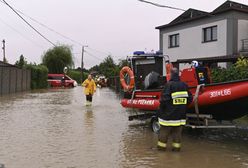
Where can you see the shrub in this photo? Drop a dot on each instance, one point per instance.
(237, 71)
(38, 76)
(76, 75)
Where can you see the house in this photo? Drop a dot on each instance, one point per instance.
(217, 36)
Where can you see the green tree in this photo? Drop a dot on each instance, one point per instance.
(57, 58)
(108, 67)
(95, 68)
(21, 63)
(122, 63)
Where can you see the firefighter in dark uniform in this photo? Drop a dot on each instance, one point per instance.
(172, 112)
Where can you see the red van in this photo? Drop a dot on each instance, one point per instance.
(60, 80)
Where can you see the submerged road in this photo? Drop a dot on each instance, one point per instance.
(53, 129)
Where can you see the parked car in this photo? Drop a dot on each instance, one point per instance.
(61, 80)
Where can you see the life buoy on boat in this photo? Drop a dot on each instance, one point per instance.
(127, 70)
(168, 67)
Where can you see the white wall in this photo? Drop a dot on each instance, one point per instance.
(242, 32)
(190, 42)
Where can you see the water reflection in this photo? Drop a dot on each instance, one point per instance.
(53, 129)
(139, 150)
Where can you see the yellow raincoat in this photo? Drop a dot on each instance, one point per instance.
(90, 86)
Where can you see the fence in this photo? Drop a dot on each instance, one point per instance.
(13, 79)
(114, 82)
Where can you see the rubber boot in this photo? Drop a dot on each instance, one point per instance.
(87, 103)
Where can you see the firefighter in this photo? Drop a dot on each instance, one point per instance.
(90, 89)
(172, 111)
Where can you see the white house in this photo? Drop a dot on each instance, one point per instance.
(220, 35)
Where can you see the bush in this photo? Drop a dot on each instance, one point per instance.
(76, 75)
(237, 71)
(39, 75)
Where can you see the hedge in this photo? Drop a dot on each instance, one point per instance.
(39, 75)
(76, 75)
(237, 71)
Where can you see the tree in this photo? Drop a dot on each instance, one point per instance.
(122, 63)
(57, 58)
(22, 62)
(108, 67)
(95, 68)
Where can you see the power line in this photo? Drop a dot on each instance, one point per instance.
(163, 6)
(52, 30)
(28, 23)
(15, 30)
(93, 56)
(58, 33)
(102, 52)
(47, 27)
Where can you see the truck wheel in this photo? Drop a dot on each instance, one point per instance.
(155, 124)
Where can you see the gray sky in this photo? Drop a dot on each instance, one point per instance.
(118, 27)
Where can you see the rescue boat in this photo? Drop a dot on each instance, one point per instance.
(223, 101)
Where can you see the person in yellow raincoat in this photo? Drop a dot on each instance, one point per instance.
(90, 89)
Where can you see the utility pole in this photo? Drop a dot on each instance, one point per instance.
(4, 59)
(82, 62)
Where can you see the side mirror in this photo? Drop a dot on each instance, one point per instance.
(65, 70)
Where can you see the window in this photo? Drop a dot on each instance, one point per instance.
(174, 40)
(55, 77)
(210, 34)
(66, 78)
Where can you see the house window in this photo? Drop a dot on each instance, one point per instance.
(210, 34)
(174, 40)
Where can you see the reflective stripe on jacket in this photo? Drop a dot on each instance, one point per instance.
(171, 122)
(173, 103)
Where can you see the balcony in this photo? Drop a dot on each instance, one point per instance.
(244, 47)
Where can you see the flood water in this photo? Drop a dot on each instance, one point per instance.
(53, 129)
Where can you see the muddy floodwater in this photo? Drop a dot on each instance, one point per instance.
(53, 129)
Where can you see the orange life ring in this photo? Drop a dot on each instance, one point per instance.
(127, 70)
(168, 68)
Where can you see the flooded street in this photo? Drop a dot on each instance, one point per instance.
(53, 129)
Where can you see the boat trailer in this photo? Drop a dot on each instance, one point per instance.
(194, 120)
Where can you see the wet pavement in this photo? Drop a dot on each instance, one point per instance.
(53, 129)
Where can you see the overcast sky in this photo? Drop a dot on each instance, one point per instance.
(116, 27)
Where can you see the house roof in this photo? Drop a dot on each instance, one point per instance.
(230, 5)
(189, 14)
(193, 14)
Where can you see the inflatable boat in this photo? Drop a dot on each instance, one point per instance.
(223, 101)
